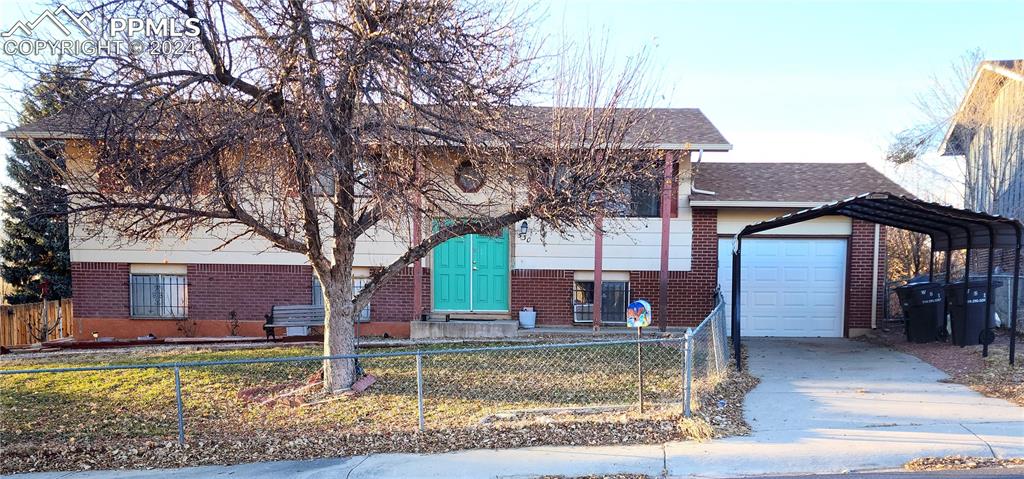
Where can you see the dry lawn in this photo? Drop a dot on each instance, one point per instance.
(127, 418)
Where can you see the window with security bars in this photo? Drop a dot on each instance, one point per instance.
(357, 286)
(614, 299)
(159, 296)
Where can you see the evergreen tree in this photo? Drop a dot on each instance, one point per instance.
(36, 259)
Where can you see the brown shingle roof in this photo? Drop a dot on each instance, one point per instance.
(671, 128)
(789, 182)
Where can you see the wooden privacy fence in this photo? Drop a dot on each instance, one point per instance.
(29, 323)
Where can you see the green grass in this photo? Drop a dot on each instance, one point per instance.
(460, 391)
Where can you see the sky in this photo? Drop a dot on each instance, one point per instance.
(817, 81)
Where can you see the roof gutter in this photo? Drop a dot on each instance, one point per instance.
(756, 204)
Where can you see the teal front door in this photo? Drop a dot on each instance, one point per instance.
(490, 272)
(470, 273)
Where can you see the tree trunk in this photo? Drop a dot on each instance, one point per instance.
(339, 334)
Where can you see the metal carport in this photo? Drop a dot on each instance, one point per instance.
(949, 229)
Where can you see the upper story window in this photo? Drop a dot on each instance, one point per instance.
(469, 177)
(641, 199)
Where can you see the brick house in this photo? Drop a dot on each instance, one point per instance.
(819, 278)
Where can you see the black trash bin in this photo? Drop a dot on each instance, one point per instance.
(922, 308)
(967, 315)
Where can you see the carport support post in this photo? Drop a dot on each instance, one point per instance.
(988, 294)
(931, 265)
(736, 302)
(945, 301)
(967, 272)
(1015, 303)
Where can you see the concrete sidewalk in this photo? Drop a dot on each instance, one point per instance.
(823, 406)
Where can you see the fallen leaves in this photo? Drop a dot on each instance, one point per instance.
(236, 414)
(961, 463)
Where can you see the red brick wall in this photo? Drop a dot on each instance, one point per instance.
(1004, 258)
(859, 275)
(548, 291)
(214, 290)
(690, 293)
(393, 301)
(101, 289)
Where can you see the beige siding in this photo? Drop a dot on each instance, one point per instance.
(995, 157)
(377, 248)
(731, 221)
(632, 244)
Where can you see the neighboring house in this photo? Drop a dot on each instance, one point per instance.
(820, 278)
(988, 131)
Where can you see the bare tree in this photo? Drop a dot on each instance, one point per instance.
(312, 124)
(937, 105)
(908, 254)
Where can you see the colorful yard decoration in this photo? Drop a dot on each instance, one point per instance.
(638, 314)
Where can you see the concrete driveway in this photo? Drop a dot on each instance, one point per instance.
(823, 406)
(832, 405)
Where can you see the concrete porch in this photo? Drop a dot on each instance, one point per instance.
(463, 329)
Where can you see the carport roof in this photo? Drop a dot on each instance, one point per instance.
(949, 228)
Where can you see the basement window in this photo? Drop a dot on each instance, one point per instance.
(614, 298)
(357, 286)
(159, 296)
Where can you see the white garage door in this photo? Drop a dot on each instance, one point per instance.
(791, 287)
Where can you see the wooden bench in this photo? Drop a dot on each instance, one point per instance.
(291, 316)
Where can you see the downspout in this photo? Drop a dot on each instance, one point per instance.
(874, 277)
(693, 181)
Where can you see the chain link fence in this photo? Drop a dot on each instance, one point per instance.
(431, 387)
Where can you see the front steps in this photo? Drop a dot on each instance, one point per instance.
(463, 329)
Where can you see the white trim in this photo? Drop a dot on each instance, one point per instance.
(1003, 71)
(41, 135)
(984, 66)
(689, 146)
(147, 268)
(60, 135)
(605, 275)
(472, 269)
(756, 204)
